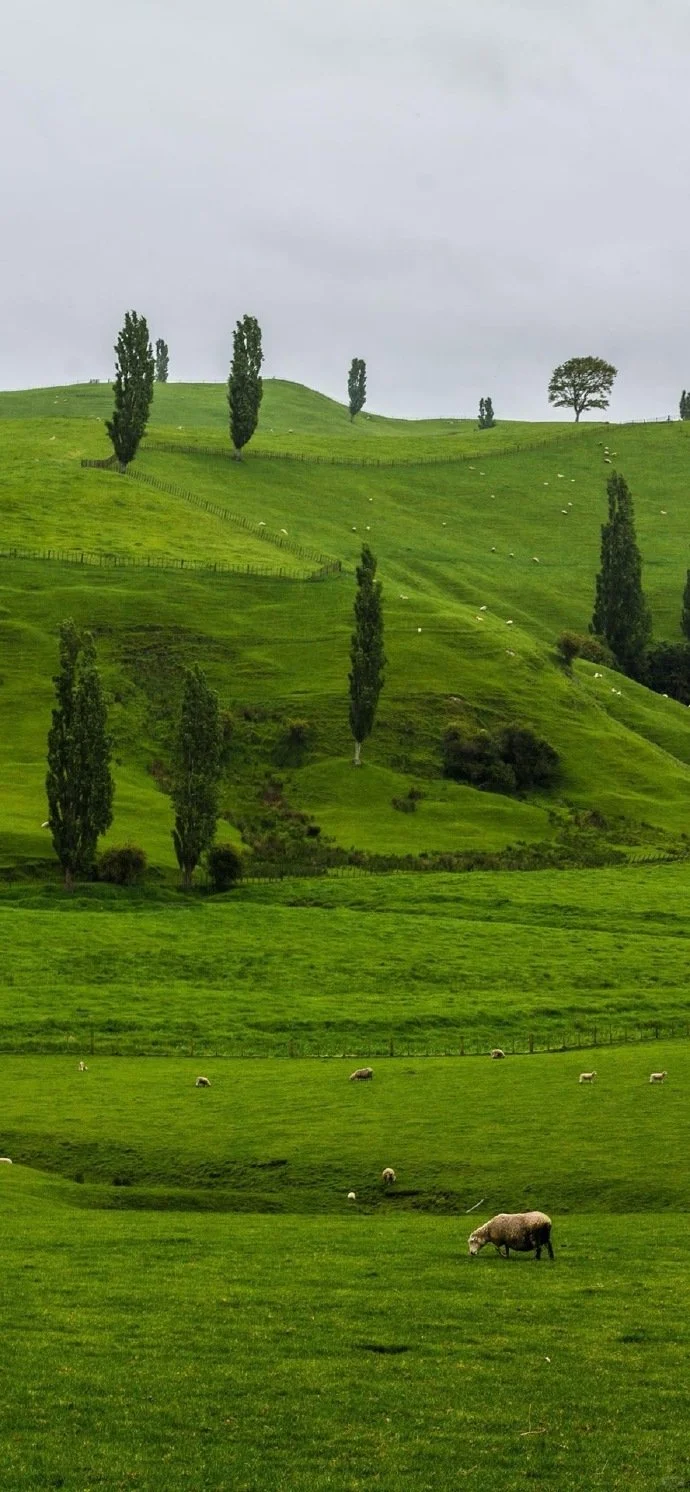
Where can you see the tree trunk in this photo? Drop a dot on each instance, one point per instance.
(237, 453)
(69, 882)
(358, 754)
(578, 412)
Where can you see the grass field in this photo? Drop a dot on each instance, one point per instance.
(333, 966)
(300, 1340)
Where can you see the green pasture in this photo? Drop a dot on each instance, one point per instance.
(295, 1135)
(329, 966)
(255, 1354)
(471, 618)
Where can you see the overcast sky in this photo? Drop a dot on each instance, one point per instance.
(464, 194)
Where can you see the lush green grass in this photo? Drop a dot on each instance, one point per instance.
(171, 1352)
(297, 1136)
(345, 965)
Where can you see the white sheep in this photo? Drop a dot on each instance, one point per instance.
(535, 561)
(587, 1077)
(352, 1196)
(388, 1176)
(83, 1067)
(658, 1077)
(202, 1083)
(5, 1160)
(520, 1231)
(361, 1075)
(497, 1053)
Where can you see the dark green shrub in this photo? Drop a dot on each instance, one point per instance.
(123, 865)
(533, 761)
(477, 760)
(293, 743)
(668, 670)
(404, 805)
(224, 866)
(572, 645)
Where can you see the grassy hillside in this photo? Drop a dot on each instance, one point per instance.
(483, 562)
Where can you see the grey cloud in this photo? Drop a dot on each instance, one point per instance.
(462, 194)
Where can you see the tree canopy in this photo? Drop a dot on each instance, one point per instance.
(245, 384)
(621, 614)
(79, 785)
(367, 657)
(133, 388)
(357, 386)
(582, 383)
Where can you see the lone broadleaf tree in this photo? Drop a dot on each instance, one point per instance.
(366, 652)
(197, 768)
(621, 614)
(79, 784)
(582, 383)
(162, 361)
(357, 386)
(133, 388)
(245, 384)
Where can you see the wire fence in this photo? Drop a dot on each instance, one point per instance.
(327, 565)
(377, 462)
(114, 1040)
(109, 561)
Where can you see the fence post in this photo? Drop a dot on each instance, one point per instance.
(531, 1042)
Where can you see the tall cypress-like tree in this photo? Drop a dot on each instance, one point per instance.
(621, 614)
(366, 652)
(162, 361)
(684, 405)
(487, 419)
(133, 388)
(685, 613)
(245, 384)
(357, 386)
(197, 768)
(79, 784)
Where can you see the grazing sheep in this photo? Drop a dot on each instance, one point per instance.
(497, 1053)
(352, 1196)
(658, 1077)
(587, 1077)
(5, 1160)
(83, 1067)
(202, 1083)
(388, 1176)
(361, 1075)
(520, 1231)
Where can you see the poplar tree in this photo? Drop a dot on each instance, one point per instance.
(685, 613)
(133, 388)
(162, 361)
(366, 652)
(621, 614)
(357, 386)
(245, 384)
(197, 769)
(684, 405)
(487, 419)
(79, 784)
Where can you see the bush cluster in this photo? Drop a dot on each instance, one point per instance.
(224, 866)
(513, 761)
(572, 645)
(123, 865)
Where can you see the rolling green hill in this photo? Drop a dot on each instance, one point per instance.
(484, 559)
